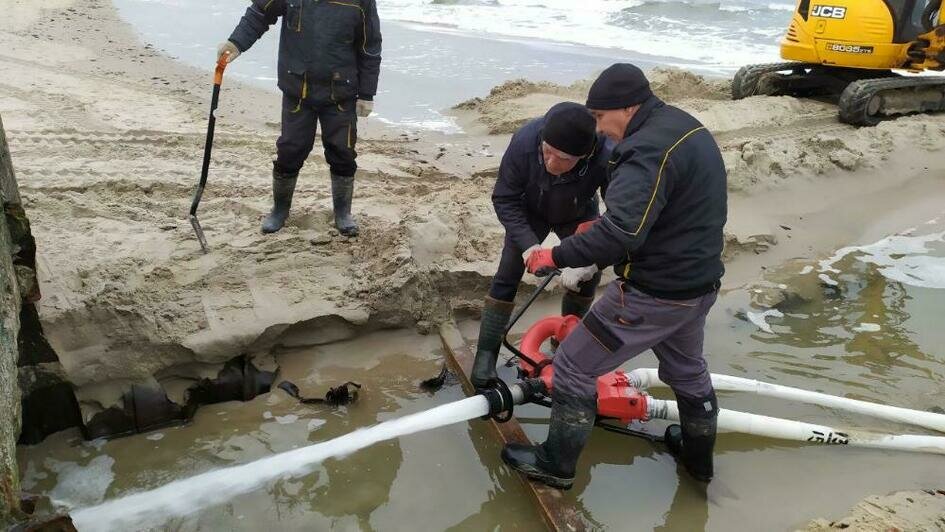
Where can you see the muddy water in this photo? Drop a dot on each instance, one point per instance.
(383, 487)
(850, 327)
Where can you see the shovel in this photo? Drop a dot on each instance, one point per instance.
(217, 81)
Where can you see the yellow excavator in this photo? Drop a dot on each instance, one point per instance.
(852, 49)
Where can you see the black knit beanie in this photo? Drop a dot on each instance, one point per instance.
(569, 127)
(620, 85)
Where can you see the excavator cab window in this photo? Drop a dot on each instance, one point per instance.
(803, 9)
(907, 15)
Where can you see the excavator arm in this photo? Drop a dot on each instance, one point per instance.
(928, 51)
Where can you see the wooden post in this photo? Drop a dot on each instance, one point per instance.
(554, 510)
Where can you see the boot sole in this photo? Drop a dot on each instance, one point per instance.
(541, 476)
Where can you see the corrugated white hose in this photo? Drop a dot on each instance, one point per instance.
(786, 429)
(645, 378)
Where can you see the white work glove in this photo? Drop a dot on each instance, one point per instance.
(228, 47)
(364, 107)
(571, 277)
(529, 252)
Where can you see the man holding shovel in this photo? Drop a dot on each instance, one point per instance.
(329, 61)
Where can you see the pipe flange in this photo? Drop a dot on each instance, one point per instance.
(501, 403)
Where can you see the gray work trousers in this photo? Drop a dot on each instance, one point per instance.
(625, 322)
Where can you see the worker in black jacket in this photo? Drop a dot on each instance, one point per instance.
(329, 61)
(548, 180)
(666, 208)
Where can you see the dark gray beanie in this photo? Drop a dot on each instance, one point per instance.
(620, 85)
(569, 127)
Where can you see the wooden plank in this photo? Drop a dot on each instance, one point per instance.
(557, 513)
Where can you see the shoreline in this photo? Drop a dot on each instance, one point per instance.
(417, 89)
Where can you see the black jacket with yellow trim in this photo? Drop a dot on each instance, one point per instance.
(326, 46)
(666, 208)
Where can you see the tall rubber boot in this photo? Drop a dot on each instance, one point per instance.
(554, 461)
(495, 317)
(693, 439)
(342, 191)
(283, 187)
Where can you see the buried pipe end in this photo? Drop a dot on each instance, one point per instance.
(337, 396)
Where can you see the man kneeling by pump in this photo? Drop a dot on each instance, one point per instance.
(548, 181)
(666, 208)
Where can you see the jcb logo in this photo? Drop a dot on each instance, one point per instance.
(828, 12)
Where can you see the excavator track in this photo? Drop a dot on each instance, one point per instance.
(867, 102)
(775, 79)
(861, 101)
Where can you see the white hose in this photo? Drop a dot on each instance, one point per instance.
(786, 429)
(644, 378)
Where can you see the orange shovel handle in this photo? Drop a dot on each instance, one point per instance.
(221, 66)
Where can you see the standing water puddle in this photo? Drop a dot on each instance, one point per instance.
(865, 324)
(186, 496)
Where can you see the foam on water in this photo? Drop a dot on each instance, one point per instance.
(761, 319)
(81, 484)
(904, 258)
(186, 496)
(728, 33)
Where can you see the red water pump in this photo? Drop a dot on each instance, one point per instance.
(616, 397)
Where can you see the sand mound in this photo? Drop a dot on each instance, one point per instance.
(510, 105)
(808, 148)
(513, 103)
(906, 510)
(765, 141)
(674, 84)
(128, 292)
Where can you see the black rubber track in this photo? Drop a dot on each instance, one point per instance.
(745, 82)
(855, 99)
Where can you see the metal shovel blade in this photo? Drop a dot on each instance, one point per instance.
(199, 230)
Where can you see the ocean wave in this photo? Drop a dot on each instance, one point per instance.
(702, 6)
(698, 32)
(494, 3)
(752, 23)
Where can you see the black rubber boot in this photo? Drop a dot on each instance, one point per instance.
(342, 191)
(693, 439)
(554, 461)
(495, 317)
(283, 187)
(575, 304)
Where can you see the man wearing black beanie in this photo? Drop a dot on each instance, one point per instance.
(662, 231)
(548, 181)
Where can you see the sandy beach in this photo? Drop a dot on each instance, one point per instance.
(106, 135)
